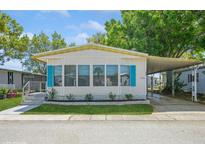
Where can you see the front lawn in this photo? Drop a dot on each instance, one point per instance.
(92, 109)
(9, 103)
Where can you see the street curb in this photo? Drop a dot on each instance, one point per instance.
(153, 117)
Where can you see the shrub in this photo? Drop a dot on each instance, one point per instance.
(4, 91)
(19, 90)
(70, 97)
(112, 96)
(88, 97)
(11, 94)
(52, 94)
(18, 95)
(2, 96)
(128, 96)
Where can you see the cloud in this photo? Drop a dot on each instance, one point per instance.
(62, 13)
(79, 39)
(91, 24)
(29, 34)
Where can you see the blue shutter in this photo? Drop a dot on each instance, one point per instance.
(132, 75)
(50, 76)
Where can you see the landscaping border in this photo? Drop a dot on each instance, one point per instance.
(99, 102)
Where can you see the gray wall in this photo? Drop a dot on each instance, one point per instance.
(3, 77)
(17, 78)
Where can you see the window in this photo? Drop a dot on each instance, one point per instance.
(98, 75)
(70, 75)
(83, 75)
(10, 78)
(112, 75)
(124, 75)
(191, 78)
(58, 75)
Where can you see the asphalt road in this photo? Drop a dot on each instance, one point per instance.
(102, 131)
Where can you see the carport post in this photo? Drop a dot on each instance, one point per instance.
(152, 84)
(173, 85)
(194, 84)
(160, 83)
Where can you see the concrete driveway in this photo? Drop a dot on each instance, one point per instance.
(173, 105)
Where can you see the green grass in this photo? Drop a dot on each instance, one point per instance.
(9, 103)
(135, 109)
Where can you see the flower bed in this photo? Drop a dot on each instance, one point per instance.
(8, 93)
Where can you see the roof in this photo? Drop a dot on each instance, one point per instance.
(25, 72)
(154, 64)
(161, 64)
(87, 47)
(201, 66)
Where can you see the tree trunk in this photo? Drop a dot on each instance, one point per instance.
(168, 87)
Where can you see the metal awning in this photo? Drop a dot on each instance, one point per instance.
(161, 64)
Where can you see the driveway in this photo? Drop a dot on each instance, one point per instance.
(173, 105)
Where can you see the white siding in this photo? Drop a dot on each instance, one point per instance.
(200, 84)
(92, 57)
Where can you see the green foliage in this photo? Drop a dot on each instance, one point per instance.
(98, 38)
(38, 44)
(57, 41)
(178, 85)
(52, 93)
(13, 43)
(129, 96)
(88, 97)
(112, 96)
(4, 91)
(72, 44)
(161, 33)
(70, 97)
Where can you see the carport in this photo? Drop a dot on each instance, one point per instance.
(162, 64)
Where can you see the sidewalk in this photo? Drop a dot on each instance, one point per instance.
(19, 109)
(153, 117)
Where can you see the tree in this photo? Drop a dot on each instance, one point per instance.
(38, 44)
(12, 41)
(72, 44)
(98, 38)
(160, 33)
(57, 41)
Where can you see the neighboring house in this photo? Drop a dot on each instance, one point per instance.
(156, 82)
(16, 79)
(98, 70)
(186, 78)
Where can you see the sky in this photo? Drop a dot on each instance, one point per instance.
(74, 26)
